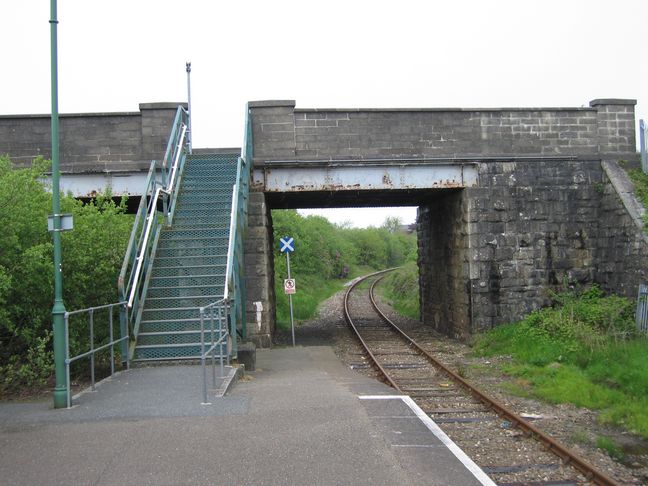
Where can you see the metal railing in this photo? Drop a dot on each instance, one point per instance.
(643, 145)
(239, 228)
(216, 312)
(134, 275)
(641, 315)
(91, 311)
(234, 296)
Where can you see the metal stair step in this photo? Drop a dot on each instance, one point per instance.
(185, 282)
(160, 353)
(176, 271)
(171, 325)
(176, 337)
(198, 224)
(196, 182)
(186, 250)
(177, 314)
(191, 260)
(179, 243)
(197, 233)
(186, 293)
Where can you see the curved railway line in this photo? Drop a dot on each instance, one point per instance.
(506, 446)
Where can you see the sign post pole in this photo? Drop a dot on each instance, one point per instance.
(292, 321)
(287, 245)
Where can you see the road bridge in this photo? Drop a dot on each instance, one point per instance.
(512, 202)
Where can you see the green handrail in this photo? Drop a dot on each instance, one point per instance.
(235, 274)
(133, 278)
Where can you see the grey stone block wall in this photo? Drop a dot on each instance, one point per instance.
(259, 271)
(490, 255)
(533, 227)
(273, 129)
(615, 128)
(95, 142)
(444, 263)
(282, 132)
(622, 241)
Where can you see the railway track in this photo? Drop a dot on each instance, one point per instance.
(505, 445)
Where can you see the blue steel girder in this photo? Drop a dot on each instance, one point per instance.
(360, 176)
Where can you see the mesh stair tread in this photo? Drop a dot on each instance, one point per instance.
(195, 249)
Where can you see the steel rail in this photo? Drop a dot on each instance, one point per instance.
(567, 456)
(347, 317)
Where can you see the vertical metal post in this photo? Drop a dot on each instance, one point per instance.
(58, 310)
(225, 317)
(92, 356)
(112, 345)
(220, 337)
(123, 330)
(212, 347)
(292, 320)
(67, 359)
(202, 355)
(642, 146)
(190, 135)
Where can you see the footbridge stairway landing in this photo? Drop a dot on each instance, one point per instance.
(189, 265)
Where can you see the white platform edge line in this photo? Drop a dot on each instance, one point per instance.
(439, 434)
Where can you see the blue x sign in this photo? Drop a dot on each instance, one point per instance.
(286, 244)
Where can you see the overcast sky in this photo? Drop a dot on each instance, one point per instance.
(116, 54)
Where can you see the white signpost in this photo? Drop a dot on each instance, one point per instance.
(287, 246)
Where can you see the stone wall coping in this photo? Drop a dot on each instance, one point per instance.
(624, 188)
(436, 110)
(165, 105)
(271, 103)
(613, 101)
(142, 106)
(73, 115)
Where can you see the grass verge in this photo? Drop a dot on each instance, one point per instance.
(583, 351)
(312, 290)
(400, 289)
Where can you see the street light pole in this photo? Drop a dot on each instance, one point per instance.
(189, 106)
(58, 311)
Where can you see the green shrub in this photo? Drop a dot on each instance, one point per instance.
(92, 256)
(584, 350)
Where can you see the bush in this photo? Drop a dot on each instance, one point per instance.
(584, 350)
(92, 256)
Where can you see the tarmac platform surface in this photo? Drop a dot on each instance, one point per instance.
(301, 418)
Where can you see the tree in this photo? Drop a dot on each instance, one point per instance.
(392, 224)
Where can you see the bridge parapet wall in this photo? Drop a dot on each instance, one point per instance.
(282, 132)
(92, 142)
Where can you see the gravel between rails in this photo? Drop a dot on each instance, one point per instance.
(574, 427)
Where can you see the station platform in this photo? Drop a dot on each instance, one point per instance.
(301, 418)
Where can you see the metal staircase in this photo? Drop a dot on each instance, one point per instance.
(190, 265)
(184, 263)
